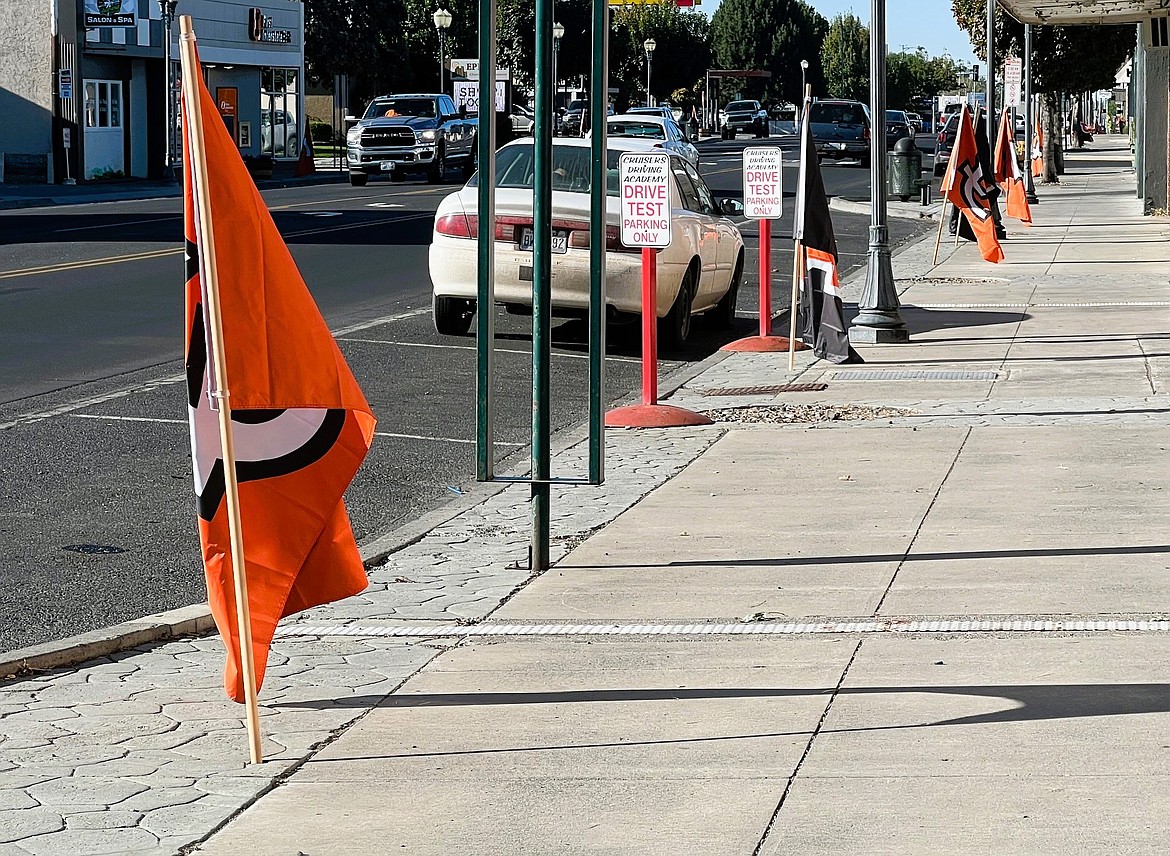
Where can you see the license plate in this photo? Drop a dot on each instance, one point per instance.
(387, 165)
(839, 146)
(560, 240)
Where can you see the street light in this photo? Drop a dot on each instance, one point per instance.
(803, 69)
(649, 45)
(558, 33)
(442, 19)
(167, 8)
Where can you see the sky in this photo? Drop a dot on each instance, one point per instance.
(909, 23)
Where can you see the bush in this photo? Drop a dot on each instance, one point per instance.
(321, 132)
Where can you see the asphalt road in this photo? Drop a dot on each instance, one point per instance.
(96, 511)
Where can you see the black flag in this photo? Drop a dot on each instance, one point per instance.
(821, 318)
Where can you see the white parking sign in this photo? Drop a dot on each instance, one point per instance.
(644, 182)
(763, 183)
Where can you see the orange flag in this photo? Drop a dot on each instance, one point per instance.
(966, 187)
(1038, 151)
(1007, 172)
(300, 423)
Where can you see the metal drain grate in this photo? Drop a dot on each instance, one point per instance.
(767, 390)
(913, 374)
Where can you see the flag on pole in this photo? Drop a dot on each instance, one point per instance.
(306, 165)
(300, 423)
(1007, 172)
(1038, 151)
(821, 318)
(966, 187)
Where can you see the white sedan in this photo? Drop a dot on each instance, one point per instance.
(657, 130)
(699, 273)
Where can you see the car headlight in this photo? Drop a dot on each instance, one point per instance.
(353, 136)
(426, 135)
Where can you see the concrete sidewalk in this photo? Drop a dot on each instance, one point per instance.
(919, 610)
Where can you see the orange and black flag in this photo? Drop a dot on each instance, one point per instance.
(301, 425)
(820, 313)
(1007, 172)
(966, 187)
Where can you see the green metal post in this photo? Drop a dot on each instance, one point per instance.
(485, 316)
(598, 101)
(542, 286)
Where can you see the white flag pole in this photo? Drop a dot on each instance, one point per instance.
(797, 267)
(210, 276)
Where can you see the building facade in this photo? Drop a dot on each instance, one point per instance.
(94, 105)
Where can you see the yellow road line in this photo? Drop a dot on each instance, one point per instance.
(157, 254)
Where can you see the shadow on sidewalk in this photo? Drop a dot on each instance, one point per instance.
(920, 320)
(1030, 702)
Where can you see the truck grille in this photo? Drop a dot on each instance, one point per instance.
(387, 137)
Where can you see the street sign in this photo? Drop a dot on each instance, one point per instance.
(763, 182)
(66, 137)
(469, 68)
(65, 83)
(1013, 75)
(644, 185)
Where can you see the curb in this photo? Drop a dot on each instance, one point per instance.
(848, 206)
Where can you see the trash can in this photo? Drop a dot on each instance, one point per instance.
(904, 168)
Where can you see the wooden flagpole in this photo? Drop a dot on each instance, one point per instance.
(209, 273)
(796, 267)
(942, 219)
(796, 252)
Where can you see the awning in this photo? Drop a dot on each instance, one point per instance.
(1063, 12)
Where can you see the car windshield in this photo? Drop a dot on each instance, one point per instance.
(391, 107)
(575, 105)
(570, 170)
(837, 114)
(895, 116)
(642, 130)
(741, 105)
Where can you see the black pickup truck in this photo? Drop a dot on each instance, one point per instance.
(401, 134)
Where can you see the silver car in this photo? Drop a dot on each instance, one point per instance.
(660, 132)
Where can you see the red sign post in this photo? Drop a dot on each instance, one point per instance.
(644, 188)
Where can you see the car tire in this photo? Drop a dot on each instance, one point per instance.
(358, 179)
(452, 315)
(675, 328)
(438, 169)
(723, 315)
(940, 170)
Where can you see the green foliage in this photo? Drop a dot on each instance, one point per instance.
(915, 75)
(361, 38)
(682, 52)
(1065, 59)
(845, 59)
(770, 35)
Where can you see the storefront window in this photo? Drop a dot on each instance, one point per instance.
(103, 104)
(278, 111)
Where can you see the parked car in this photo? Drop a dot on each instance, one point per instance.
(946, 143)
(667, 113)
(897, 127)
(746, 117)
(915, 124)
(840, 129)
(401, 134)
(278, 134)
(699, 273)
(661, 133)
(523, 120)
(571, 120)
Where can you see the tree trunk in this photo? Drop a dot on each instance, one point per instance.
(1050, 122)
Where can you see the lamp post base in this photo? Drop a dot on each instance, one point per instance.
(878, 335)
(878, 322)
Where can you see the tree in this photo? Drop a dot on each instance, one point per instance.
(770, 35)
(916, 75)
(845, 58)
(1064, 60)
(682, 52)
(360, 38)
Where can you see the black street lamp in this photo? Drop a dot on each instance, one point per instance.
(167, 8)
(442, 19)
(558, 34)
(649, 45)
